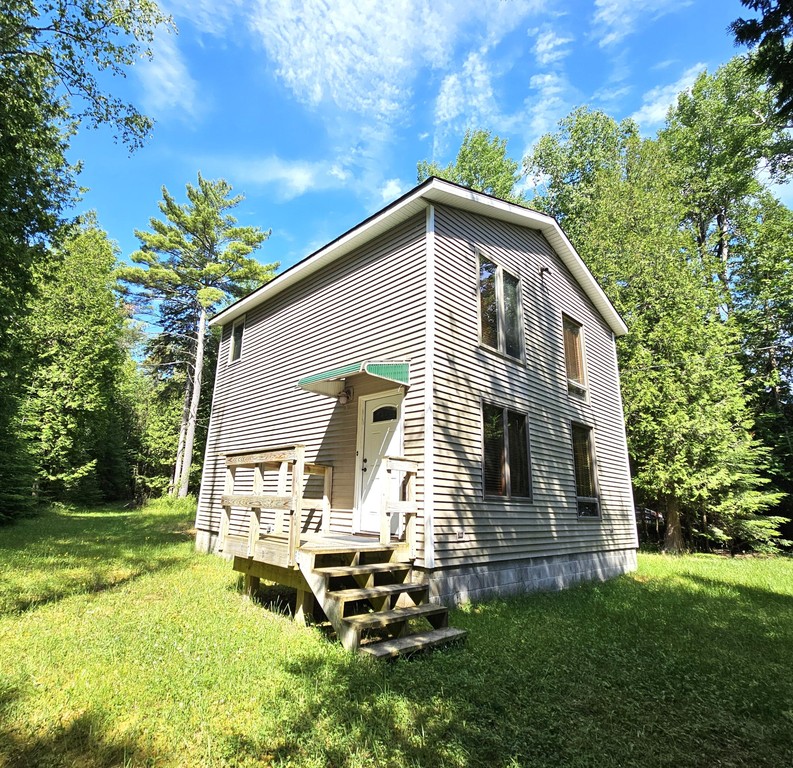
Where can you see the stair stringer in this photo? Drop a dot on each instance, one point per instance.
(348, 635)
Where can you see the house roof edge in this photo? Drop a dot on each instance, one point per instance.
(434, 190)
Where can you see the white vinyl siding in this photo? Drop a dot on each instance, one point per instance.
(352, 310)
(466, 373)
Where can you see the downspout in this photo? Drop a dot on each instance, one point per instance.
(429, 394)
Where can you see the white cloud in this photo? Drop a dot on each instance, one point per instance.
(551, 102)
(616, 19)
(211, 16)
(288, 178)
(468, 93)
(391, 190)
(611, 94)
(658, 100)
(167, 83)
(363, 55)
(549, 48)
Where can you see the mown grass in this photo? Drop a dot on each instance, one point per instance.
(119, 646)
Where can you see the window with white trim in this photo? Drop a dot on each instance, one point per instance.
(574, 355)
(499, 309)
(506, 465)
(586, 490)
(235, 348)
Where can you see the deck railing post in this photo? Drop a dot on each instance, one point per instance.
(254, 528)
(283, 476)
(410, 523)
(225, 515)
(326, 499)
(296, 512)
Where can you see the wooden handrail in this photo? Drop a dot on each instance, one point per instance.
(286, 460)
(406, 508)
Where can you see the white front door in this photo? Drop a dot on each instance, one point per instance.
(380, 424)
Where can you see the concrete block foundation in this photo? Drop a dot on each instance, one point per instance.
(454, 586)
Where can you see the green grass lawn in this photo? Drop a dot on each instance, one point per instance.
(121, 647)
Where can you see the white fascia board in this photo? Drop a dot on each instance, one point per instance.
(444, 193)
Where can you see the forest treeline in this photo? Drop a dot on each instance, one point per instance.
(682, 230)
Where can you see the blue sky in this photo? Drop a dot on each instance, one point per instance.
(318, 111)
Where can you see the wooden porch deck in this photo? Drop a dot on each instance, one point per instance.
(362, 584)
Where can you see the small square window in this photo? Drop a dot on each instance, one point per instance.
(574, 355)
(587, 497)
(235, 350)
(499, 309)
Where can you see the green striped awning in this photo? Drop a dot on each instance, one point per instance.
(331, 382)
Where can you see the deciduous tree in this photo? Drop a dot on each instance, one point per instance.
(688, 422)
(481, 164)
(54, 58)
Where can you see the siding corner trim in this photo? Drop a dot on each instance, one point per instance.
(429, 394)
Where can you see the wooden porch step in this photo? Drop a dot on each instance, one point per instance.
(362, 570)
(384, 618)
(412, 643)
(364, 593)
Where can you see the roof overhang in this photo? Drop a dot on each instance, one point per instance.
(435, 190)
(333, 381)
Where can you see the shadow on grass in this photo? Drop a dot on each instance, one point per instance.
(670, 673)
(80, 742)
(64, 552)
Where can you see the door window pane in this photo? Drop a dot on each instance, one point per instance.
(385, 413)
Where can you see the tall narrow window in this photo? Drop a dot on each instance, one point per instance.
(574, 355)
(488, 302)
(585, 480)
(236, 340)
(513, 341)
(499, 309)
(506, 466)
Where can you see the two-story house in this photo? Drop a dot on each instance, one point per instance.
(426, 410)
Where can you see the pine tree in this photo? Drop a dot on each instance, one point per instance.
(191, 263)
(71, 411)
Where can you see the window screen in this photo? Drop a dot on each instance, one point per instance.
(585, 484)
(573, 357)
(236, 341)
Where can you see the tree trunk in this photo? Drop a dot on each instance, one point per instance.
(187, 458)
(724, 259)
(673, 539)
(177, 467)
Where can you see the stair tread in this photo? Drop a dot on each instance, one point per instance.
(362, 593)
(355, 570)
(384, 618)
(416, 642)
